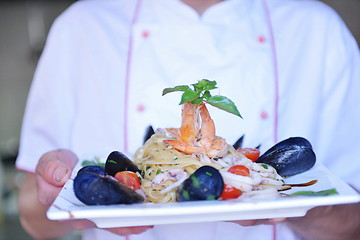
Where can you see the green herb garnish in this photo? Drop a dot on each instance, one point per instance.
(95, 161)
(186, 194)
(208, 173)
(211, 197)
(265, 166)
(195, 181)
(200, 93)
(327, 192)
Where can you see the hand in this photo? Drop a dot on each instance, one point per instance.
(39, 190)
(53, 170)
(122, 231)
(329, 223)
(255, 222)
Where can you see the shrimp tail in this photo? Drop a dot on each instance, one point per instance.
(184, 147)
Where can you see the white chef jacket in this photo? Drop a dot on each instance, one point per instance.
(291, 67)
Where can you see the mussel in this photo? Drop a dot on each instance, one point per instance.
(239, 142)
(290, 156)
(118, 162)
(206, 183)
(93, 186)
(149, 132)
(93, 169)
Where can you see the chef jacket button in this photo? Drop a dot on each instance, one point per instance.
(140, 108)
(264, 114)
(145, 34)
(261, 39)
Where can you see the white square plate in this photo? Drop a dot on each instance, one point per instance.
(67, 206)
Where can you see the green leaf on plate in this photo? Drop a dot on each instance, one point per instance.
(327, 192)
(94, 161)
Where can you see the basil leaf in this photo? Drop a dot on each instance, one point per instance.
(327, 192)
(204, 85)
(207, 94)
(188, 96)
(201, 93)
(197, 101)
(223, 103)
(181, 88)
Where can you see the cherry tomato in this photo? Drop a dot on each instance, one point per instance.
(129, 179)
(230, 192)
(239, 170)
(251, 153)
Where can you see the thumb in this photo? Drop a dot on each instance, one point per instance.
(55, 167)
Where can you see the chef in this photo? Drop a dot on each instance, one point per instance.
(291, 67)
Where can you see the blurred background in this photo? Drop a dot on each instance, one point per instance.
(24, 25)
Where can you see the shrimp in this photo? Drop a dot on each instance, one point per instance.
(196, 138)
(214, 146)
(189, 128)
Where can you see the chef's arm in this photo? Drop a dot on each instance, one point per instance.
(33, 213)
(338, 222)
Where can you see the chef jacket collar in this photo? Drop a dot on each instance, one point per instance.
(177, 12)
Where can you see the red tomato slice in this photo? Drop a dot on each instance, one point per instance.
(251, 153)
(129, 179)
(230, 192)
(239, 170)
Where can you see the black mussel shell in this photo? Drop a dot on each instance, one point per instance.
(239, 142)
(290, 156)
(118, 162)
(206, 183)
(95, 169)
(149, 132)
(96, 189)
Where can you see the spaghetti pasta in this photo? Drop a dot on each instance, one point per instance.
(165, 168)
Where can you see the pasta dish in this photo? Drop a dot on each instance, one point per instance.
(171, 155)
